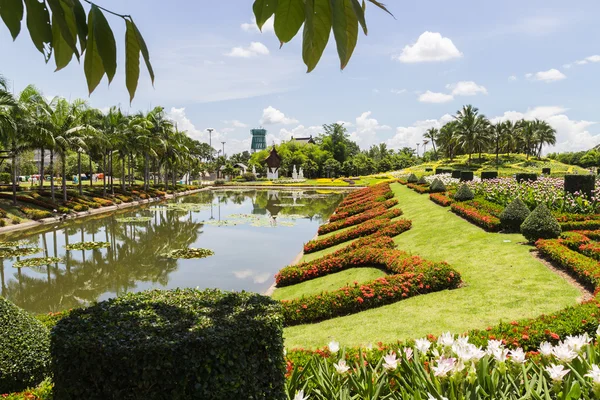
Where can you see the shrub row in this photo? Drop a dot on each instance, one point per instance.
(419, 188)
(370, 193)
(356, 219)
(362, 207)
(35, 214)
(25, 199)
(412, 276)
(477, 216)
(590, 224)
(441, 199)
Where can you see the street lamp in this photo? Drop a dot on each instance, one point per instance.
(210, 131)
(224, 149)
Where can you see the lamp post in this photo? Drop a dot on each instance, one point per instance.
(224, 150)
(210, 131)
(418, 149)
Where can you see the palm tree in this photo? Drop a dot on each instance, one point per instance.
(113, 124)
(545, 134)
(471, 128)
(527, 130)
(498, 134)
(448, 138)
(432, 135)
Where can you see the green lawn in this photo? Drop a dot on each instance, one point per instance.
(502, 282)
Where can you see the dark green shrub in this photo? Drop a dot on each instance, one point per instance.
(584, 184)
(248, 177)
(489, 174)
(464, 193)
(456, 174)
(546, 171)
(422, 181)
(219, 182)
(177, 344)
(520, 177)
(540, 224)
(443, 171)
(514, 215)
(24, 349)
(437, 186)
(428, 169)
(412, 178)
(5, 178)
(466, 176)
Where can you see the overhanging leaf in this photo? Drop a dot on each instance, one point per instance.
(105, 42)
(263, 10)
(11, 12)
(38, 24)
(360, 14)
(65, 19)
(132, 59)
(92, 65)
(382, 6)
(62, 51)
(345, 29)
(81, 22)
(317, 28)
(144, 50)
(289, 18)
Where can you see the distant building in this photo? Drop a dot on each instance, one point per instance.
(304, 140)
(259, 140)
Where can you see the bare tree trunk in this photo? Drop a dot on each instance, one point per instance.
(79, 172)
(14, 174)
(123, 173)
(112, 179)
(52, 174)
(42, 169)
(146, 175)
(104, 174)
(166, 178)
(91, 172)
(63, 157)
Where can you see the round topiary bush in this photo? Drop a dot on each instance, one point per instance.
(24, 349)
(437, 186)
(540, 224)
(422, 181)
(177, 344)
(464, 193)
(412, 178)
(513, 216)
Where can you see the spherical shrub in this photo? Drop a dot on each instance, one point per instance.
(540, 224)
(464, 193)
(422, 181)
(437, 186)
(514, 215)
(177, 344)
(24, 349)
(412, 178)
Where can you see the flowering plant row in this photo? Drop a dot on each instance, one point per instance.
(476, 215)
(378, 211)
(440, 198)
(412, 276)
(590, 224)
(421, 189)
(361, 207)
(364, 229)
(367, 194)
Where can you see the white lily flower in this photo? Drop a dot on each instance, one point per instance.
(598, 331)
(468, 352)
(341, 367)
(422, 345)
(518, 356)
(300, 396)
(594, 374)
(391, 362)
(446, 339)
(408, 352)
(444, 366)
(546, 349)
(463, 340)
(500, 354)
(564, 353)
(334, 346)
(578, 342)
(494, 345)
(557, 372)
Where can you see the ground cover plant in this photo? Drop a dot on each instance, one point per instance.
(36, 262)
(87, 245)
(189, 253)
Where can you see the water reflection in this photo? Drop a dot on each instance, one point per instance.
(247, 255)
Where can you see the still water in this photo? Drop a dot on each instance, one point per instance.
(253, 234)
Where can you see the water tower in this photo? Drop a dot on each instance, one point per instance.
(259, 140)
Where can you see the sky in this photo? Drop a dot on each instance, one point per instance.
(215, 69)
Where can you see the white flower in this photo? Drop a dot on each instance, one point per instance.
(598, 331)
(444, 366)
(422, 345)
(463, 340)
(467, 352)
(334, 346)
(300, 396)
(341, 367)
(546, 349)
(494, 345)
(446, 339)
(431, 397)
(564, 353)
(408, 352)
(557, 372)
(577, 342)
(594, 374)
(500, 354)
(517, 356)
(391, 362)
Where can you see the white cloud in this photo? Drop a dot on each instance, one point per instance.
(252, 27)
(512, 78)
(430, 46)
(346, 124)
(434, 97)
(299, 131)
(552, 75)
(466, 88)
(409, 136)
(255, 49)
(272, 116)
(587, 60)
(571, 135)
(398, 91)
(236, 124)
(366, 130)
(249, 273)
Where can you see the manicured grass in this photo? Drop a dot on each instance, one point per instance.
(502, 282)
(328, 283)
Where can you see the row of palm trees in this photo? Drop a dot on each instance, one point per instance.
(30, 121)
(471, 132)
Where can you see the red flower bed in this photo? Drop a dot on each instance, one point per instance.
(413, 276)
(369, 193)
(378, 212)
(363, 200)
(418, 188)
(362, 207)
(586, 269)
(477, 216)
(402, 181)
(441, 199)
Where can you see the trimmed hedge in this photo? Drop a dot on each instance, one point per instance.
(428, 169)
(466, 176)
(437, 186)
(514, 215)
(523, 176)
(540, 224)
(456, 173)
(421, 189)
(443, 171)
(358, 219)
(584, 184)
(591, 224)
(464, 193)
(24, 349)
(546, 171)
(177, 344)
(476, 215)
(441, 199)
(489, 175)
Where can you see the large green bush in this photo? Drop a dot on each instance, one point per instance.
(513, 216)
(437, 186)
(24, 349)
(412, 178)
(178, 344)
(580, 183)
(540, 224)
(464, 193)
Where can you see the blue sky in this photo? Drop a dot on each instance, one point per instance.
(512, 59)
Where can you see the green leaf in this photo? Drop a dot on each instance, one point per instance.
(145, 52)
(263, 10)
(345, 29)
(132, 59)
(289, 18)
(105, 42)
(575, 392)
(11, 12)
(317, 29)
(92, 65)
(81, 22)
(382, 6)
(64, 17)
(62, 51)
(360, 14)
(38, 24)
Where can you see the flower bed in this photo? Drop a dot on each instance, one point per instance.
(580, 225)
(364, 200)
(35, 214)
(440, 198)
(421, 189)
(477, 216)
(355, 219)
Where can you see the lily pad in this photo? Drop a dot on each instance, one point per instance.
(19, 252)
(36, 262)
(225, 222)
(134, 219)
(11, 245)
(189, 253)
(87, 246)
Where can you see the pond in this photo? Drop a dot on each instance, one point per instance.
(253, 234)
